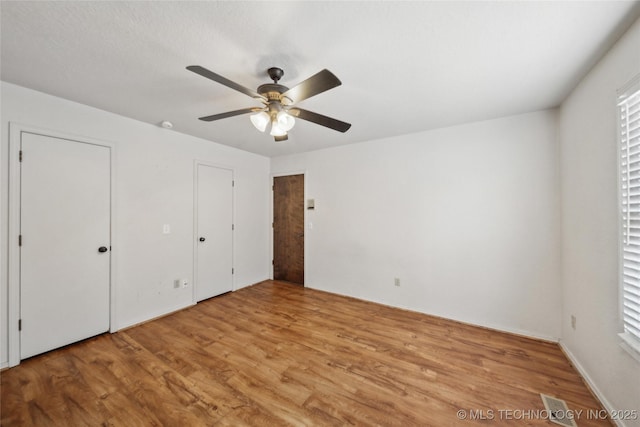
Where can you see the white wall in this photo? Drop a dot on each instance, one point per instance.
(467, 217)
(500, 223)
(588, 135)
(154, 186)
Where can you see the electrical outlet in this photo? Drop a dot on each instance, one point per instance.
(396, 281)
(573, 322)
(180, 283)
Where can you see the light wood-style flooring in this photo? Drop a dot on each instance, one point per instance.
(277, 354)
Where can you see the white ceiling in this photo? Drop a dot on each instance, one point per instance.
(405, 66)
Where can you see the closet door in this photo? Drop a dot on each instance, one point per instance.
(65, 242)
(214, 231)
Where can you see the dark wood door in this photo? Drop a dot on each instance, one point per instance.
(288, 228)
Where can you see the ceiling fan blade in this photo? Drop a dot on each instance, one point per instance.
(319, 119)
(223, 80)
(230, 114)
(318, 83)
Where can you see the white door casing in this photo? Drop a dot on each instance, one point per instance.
(213, 269)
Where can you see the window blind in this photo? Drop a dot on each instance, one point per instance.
(629, 119)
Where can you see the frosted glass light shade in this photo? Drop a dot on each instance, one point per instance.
(276, 130)
(260, 120)
(285, 121)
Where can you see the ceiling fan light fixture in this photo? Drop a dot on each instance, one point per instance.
(276, 130)
(260, 120)
(285, 120)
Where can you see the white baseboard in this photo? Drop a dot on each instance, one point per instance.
(484, 325)
(592, 385)
(131, 323)
(512, 331)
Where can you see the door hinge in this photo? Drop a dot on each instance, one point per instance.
(233, 227)
(20, 156)
(233, 271)
(19, 324)
(272, 225)
(20, 240)
(233, 183)
(273, 263)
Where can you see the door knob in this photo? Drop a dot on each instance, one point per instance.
(201, 239)
(102, 249)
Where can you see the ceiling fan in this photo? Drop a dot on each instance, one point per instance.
(279, 109)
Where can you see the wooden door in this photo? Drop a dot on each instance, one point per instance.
(288, 228)
(65, 229)
(214, 231)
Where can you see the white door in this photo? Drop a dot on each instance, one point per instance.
(214, 231)
(65, 231)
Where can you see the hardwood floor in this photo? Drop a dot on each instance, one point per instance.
(277, 354)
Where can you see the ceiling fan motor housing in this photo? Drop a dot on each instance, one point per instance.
(272, 91)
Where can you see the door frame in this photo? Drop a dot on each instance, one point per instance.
(13, 262)
(197, 163)
(271, 239)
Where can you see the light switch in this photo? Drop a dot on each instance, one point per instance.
(166, 229)
(311, 204)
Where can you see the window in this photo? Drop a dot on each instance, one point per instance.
(629, 137)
